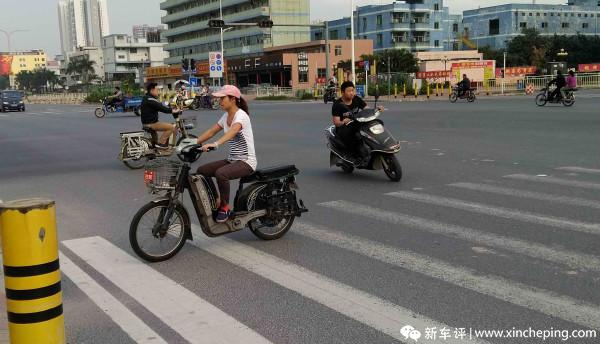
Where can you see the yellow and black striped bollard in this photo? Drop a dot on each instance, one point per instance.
(31, 272)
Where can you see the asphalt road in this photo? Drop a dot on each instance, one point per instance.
(495, 226)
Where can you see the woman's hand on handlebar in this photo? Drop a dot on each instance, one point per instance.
(210, 147)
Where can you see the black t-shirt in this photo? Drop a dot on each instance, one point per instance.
(339, 109)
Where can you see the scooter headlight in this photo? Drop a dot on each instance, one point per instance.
(377, 129)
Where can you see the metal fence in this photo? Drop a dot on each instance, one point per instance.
(268, 91)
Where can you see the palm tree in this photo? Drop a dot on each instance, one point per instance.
(81, 66)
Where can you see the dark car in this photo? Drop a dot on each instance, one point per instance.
(11, 100)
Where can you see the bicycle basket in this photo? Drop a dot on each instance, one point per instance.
(161, 173)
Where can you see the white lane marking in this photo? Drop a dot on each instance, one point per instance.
(543, 301)
(554, 254)
(556, 181)
(512, 214)
(582, 202)
(189, 315)
(377, 313)
(579, 169)
(121, 315)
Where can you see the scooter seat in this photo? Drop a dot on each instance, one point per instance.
(270, 173)
(152, 133)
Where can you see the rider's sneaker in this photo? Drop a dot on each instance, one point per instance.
(161, 146)
(223, 214)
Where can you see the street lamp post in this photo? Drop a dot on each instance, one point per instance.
(8, 34)
(503, 71)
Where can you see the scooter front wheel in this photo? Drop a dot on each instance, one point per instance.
(100, 112)
(155, 244)
(392, 168)
(453, 97)
(540, 99)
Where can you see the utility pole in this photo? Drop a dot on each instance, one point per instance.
(352, 34)
(503, 71)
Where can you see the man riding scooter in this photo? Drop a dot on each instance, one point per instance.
(560, 82)
(346, 129)
(463, 86)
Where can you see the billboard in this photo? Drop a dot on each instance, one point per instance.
(516, 71)
(434, 74)
(6, 64)
(590, 67)
(475, 70)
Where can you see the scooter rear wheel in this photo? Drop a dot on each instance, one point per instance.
(164, 244)
(266, 227)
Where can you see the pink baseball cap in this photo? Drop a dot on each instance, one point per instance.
(228, 90)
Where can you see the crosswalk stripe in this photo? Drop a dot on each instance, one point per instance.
(543, 301)
(578, 226)
(554, 254)
(579, 169)
(353, 303)
(529, 194)
(556, 181)
(121, 315)
(192, 317)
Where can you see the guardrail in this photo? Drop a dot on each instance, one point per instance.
(56, 98)
(268, 91)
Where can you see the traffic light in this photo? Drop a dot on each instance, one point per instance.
(192, 65)
(267, 23)
(216, 23)
(184, 64)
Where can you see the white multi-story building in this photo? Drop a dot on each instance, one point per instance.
(151, 33)
(82, 23)
(98, 21)
(125, 56)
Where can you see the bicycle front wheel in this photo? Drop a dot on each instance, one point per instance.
(155, 244)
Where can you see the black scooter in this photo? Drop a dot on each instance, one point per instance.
(380, 144)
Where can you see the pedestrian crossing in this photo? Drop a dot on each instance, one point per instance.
(196, 320)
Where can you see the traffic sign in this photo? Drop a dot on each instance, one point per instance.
(215, 61)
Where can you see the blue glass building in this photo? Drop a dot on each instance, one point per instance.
(496, 25)
(415, 25)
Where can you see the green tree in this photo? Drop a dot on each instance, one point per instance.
(400, 61)
(81, 66)
(25, 79)
(4, 82)
(528, 49)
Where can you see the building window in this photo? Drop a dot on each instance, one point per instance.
(537, 14)
(523, 25)
(585, 15)
(379, 21)
(348, 33)
(436, 43)
(579, 15)
(302, 76)
(585, 25)
(523, 14)
(133, 50)
(552, 14)
(321, 73)
(338, 50)
(364, 24)
(530, 14)
(333, 34)
(436, 7)
(545, 14)
(379, 40)
(494, 27)
(454, 27)
(544, 25)
(565, 25)
(121, 56)
(436, 25)
(558, 14)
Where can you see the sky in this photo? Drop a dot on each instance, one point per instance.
(40, 17)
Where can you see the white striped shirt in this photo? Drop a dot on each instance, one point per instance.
(241, 147)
